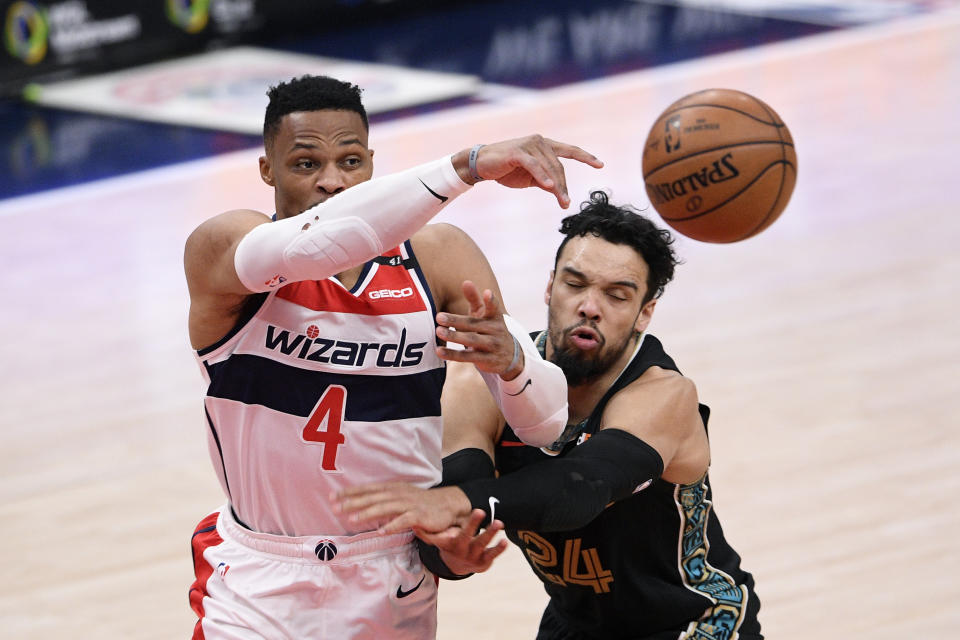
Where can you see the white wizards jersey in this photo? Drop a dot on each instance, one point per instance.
(324, 388)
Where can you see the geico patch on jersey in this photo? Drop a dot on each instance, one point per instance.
(406, 292)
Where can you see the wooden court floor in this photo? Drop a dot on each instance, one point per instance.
(827, 347)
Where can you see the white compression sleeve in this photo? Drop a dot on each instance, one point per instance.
(347, 230)
(534, 403)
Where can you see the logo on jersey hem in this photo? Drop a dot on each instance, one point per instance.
(325, 550)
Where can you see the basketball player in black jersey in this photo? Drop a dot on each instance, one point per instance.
(616, 517)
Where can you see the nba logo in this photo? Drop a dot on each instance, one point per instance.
(222, 569)
(326, 550)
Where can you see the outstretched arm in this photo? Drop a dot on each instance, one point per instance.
(647, 428)
(367, 219)
(451, 544)
(236, 253)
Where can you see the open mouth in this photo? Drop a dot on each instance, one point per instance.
(585, 338)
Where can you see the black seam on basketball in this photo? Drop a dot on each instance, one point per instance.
(711, 149)
(774, 124)
(732, 197)
(772, 208)
(783, 178)
(771, 114)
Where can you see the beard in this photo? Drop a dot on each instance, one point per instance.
(579, 367)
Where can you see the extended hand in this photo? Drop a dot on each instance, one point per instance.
(533, 161)
(464, 549)
(403, 506)
(487, 342)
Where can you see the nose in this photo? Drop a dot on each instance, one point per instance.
(588, 307)
(330, 180)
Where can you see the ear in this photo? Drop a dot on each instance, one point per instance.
(645, 316)
(546, 294)
(266, 171)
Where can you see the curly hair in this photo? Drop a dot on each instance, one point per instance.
(310, 93)
(623, 225)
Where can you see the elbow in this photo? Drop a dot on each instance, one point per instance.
(545, 432)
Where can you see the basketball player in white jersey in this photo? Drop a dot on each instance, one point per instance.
(320, 332)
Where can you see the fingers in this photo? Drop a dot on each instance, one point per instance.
(481, 306)
(494, 361)
(555, 170)
(483, 334)
(484, 538)
(458, 322)
(440, 539)
(363, 489)
(400, 523)
(547, 154)
(470, 339)
(377, 502)
(573, 152)
(474, 520)
(465, 550)
(383, 509)
(490, 554)
(533, 164)
(472, 294)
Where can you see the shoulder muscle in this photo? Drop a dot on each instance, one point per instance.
(209, 251)
(448, 257)
(660, 407)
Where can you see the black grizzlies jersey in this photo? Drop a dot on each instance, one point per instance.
(653, 565)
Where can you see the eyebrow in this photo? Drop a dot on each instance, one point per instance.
(620, 283)
(342, 143)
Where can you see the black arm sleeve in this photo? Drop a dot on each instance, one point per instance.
(461, 466)
(567, 493)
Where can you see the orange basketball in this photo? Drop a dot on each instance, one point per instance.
(719, 165)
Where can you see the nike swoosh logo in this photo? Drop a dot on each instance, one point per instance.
(403, 594)
(525, 385)
(434, 193)
(493, 506)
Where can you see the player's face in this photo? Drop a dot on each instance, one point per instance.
(595, 302)
(315, 155)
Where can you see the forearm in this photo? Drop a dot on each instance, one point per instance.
(534, 402)
(566, 493)
(347, 230)
(460, 466)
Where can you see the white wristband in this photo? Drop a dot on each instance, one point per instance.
(534, 403)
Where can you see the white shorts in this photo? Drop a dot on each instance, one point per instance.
(256, 585)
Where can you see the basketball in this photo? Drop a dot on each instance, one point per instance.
(719, 165)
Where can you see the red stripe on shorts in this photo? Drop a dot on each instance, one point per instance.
(204, 537)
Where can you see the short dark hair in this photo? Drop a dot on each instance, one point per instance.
(310, 93)
(623, 225)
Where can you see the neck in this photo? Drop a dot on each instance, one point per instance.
(584, 398)
(349, 277)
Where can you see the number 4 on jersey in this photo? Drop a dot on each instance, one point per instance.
(324, 424)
